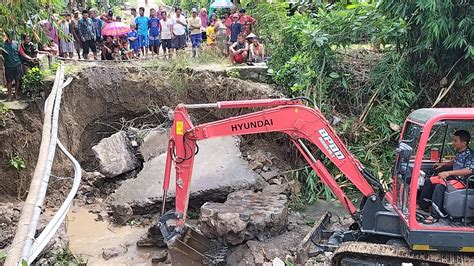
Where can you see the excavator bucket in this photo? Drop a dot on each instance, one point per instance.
(187, 246)
(192, 248)
(310, 245)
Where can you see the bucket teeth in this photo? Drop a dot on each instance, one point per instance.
(192, 247)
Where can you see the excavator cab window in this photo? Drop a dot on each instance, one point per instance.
(403, 171)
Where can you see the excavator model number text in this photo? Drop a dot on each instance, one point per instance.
(329, 144)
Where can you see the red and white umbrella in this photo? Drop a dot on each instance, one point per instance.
(115, 29)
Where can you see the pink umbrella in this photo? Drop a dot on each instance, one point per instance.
(115, 29)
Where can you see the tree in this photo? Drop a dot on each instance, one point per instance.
(25, 16)
(440, 37)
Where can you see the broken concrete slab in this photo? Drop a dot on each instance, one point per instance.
(218, 170)
(115, 155)
(154, 143)
(245, 215)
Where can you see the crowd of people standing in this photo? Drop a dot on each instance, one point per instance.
(81, 33)
(166, 32)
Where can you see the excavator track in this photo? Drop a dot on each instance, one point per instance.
(357, 253)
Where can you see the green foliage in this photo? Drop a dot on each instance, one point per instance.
(3, 255)
(17, 163)
(14, 16)
(4, 110)
(65, 257)
(234, 73)
(305, 57)
(304, 50)
(186, 5)
(32, 82)
(440, 35)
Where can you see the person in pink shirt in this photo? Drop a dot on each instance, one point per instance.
(51, 32)
(227, 22)
(204, 23)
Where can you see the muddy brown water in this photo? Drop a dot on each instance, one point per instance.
(88, 238)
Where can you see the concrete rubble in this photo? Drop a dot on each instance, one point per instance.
(154, 238)
(218, 170)
(159, 256)
(115, 155)
(9, 214)
(108, 253)
(245, 215)
(121, 213)
(154, 143)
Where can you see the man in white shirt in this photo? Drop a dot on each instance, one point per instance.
(166, 32)
(179, 33)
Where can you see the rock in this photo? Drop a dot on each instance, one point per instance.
(121, 213)
(154, 143)
(95, 209)
(218, 170)
(278, 262)
(153, 238)
(275, 189)
(94, 178)
(270, 175)
(274, 181)
(159, 256)
(115, 155)
(261, 183)
(102, 216)
(245, 215)
(336, 120)
(108, 253)
(259, 259)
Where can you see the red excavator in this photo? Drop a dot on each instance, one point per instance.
(388, 228)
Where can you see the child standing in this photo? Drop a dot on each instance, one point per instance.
(154, 25)
(211, 36)
(133, 40)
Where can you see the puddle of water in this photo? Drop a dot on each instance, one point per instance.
(87, 239)
(319, 207)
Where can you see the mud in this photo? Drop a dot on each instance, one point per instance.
(90, 240)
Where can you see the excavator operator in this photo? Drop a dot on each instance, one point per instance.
(453, 172)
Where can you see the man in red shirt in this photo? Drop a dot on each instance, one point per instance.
(249, 18)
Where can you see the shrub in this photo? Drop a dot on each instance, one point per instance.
(32, 82)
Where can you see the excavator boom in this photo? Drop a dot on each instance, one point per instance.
(288, 116)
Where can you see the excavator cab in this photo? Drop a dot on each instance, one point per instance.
(426, 140)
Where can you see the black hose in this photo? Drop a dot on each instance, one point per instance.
(306, 99)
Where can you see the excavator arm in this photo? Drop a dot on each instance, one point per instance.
(289, 116)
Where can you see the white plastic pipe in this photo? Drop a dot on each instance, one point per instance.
(21, 234)
(43, 239)
(46, 173)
